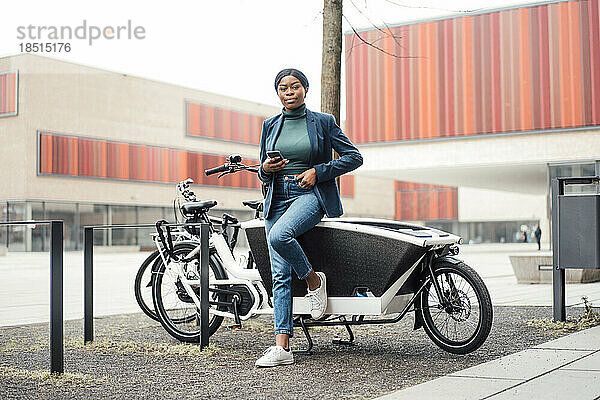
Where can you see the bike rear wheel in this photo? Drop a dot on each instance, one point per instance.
(461, 320)
(142, 286)
(176, 310)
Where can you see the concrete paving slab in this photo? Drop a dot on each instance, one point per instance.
(452, 387)
(524, 365)
(588, 339)
(589, 363)
(560, 384)
(25, 293)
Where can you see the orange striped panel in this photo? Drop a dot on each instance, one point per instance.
(513, 70)
(422, 202)
(8, 93)
(213, 122)
(347, 185)
(75, 156)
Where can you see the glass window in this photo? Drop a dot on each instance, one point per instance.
(487, 232)
(16, 234)
(4, 229)
(40, 241)
(68, 213)
(148, 215)
(123, 215)
(94, 214)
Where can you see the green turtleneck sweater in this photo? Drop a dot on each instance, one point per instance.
(293, 142)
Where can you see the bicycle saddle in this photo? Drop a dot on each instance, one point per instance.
(194, 207)
(253, 204)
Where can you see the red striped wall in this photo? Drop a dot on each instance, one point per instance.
(418, 202)
(523, 69)
(218, 123)
(83, 157)
(8, 93)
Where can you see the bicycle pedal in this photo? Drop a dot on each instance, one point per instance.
(235, 326)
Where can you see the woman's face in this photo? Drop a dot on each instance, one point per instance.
(291, 92)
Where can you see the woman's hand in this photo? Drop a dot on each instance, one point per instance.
(307, 179)
(274, 164)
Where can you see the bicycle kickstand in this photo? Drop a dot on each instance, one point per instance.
(306, 351)
(237, 322)
(350, 340)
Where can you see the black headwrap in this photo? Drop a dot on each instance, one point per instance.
(293, 72)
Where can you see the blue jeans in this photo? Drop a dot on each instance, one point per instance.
(294, 211)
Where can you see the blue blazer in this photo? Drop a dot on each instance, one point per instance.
(324, 135)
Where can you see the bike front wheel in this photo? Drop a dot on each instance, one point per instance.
(461, 319)
(176, 310)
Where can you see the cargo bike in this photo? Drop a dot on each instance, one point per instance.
(377, 271)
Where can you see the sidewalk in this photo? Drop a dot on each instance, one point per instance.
(565, 368)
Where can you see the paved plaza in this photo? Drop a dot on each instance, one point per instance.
(25, 295)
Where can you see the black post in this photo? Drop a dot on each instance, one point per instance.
(204, 286)
(88, 282)
(558, 274)
(56, 297)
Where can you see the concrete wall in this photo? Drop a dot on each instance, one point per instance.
(13, 141)
(511, 162)
(373, 197)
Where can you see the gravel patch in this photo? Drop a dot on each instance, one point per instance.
(133, 357)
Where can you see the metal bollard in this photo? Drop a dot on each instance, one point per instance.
(204, 286)
(88, 285)
(56, 297)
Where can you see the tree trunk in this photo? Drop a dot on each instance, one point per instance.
(331, 68)
(331, 58)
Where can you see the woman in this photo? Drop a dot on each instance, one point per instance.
(301, 189)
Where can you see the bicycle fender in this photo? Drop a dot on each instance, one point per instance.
(449, 259)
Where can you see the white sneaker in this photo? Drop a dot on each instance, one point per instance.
(274, 356)
(317, 299)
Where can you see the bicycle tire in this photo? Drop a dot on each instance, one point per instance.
(468, 296)
(176, 311)
(142, 290)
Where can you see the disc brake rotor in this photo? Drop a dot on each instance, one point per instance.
(460, 306)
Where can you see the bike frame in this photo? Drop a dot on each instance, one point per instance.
(232, 267)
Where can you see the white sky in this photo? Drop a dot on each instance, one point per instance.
(230, 47)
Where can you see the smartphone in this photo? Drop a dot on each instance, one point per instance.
(273, 154)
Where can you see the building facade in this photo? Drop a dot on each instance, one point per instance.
(490, 105)
(90, 146)
(462, 122)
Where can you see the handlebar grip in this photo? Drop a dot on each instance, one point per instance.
(216, 170)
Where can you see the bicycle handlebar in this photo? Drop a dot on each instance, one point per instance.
(233, 165)
(216, 170)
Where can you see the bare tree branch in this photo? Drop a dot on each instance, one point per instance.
(372, 45)
(388, 28)
(378, 28)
